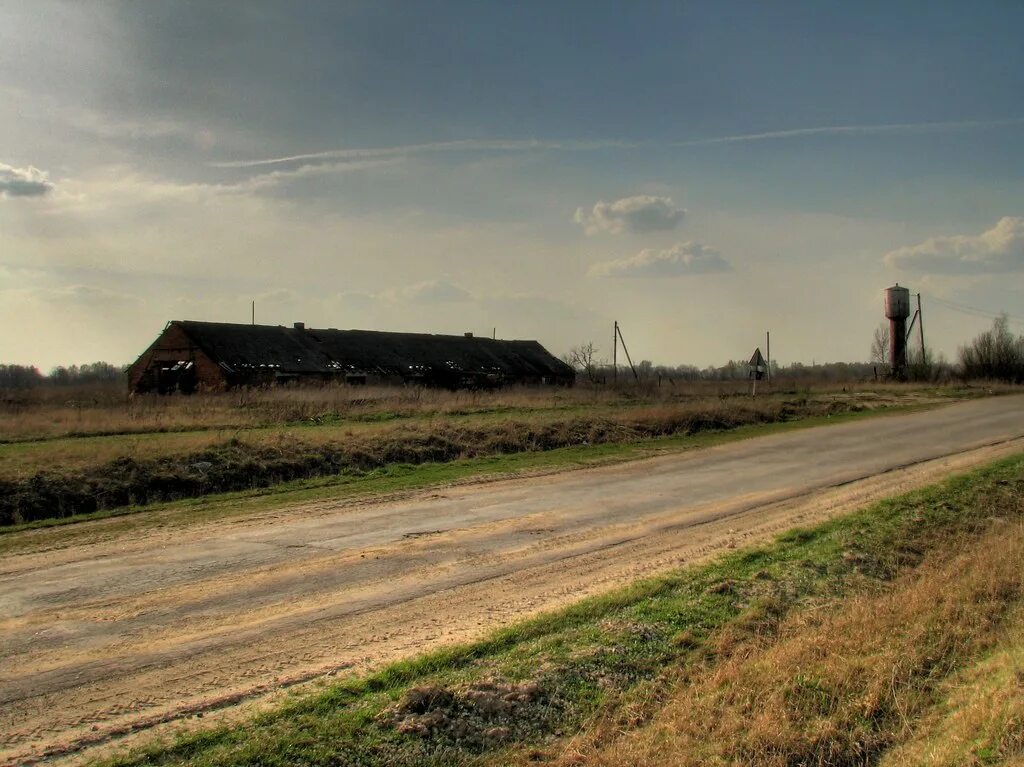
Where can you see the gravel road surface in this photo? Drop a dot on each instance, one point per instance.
(111, 638)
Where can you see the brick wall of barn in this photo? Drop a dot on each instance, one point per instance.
(171, 347)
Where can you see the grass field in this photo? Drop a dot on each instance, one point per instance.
(869, 639)
(65, 458)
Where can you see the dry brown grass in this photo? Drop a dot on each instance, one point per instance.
(842, 685)
(33, 487)
(980, 717)
(23, 458)
(45, 434)
(107, 409)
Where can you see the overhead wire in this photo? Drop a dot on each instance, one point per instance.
(973, 310)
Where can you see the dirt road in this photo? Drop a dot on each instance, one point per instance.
(118, 636)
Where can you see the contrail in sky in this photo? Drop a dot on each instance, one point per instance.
(527, 145)
(847, 130)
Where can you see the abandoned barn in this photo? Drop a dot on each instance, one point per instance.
(188, 356)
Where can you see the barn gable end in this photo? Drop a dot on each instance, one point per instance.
(174, 362)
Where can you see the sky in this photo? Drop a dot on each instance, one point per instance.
(701, 172)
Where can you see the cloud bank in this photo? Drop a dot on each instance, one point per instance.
(643, 213)
(23, 182)
(680, 260)
(1000, 249)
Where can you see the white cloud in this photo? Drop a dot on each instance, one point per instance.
(121, 186)
(681, 259)
(643, 213)
(276, 177)
(23, 182)
(1000, 249)
(106, 125)
(430, 292)
(91, 296)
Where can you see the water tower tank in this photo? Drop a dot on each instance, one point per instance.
(897, 309)
(897, 303)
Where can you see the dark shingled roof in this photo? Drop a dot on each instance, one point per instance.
(241, 348)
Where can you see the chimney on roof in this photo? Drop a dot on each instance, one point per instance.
(300, 325)
(468, 335)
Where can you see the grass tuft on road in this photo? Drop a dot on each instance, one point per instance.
(837, 644)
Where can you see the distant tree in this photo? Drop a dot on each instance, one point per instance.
(926, 365)
(995, 354)
(19, 377)
(880, 345)
(94, 372)
(583, 359)
(101, 371)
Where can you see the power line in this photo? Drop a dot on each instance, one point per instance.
(973, 310)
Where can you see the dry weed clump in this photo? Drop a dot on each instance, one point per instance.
(474, 717)
(834, 688)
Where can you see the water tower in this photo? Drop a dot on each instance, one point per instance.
(897, 309)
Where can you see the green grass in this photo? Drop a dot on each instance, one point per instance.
(601, 651)
(399, 479)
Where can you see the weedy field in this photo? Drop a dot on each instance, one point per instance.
(65, 453)
(889, 636)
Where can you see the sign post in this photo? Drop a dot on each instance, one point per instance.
(758, 368)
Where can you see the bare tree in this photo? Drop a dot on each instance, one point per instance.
(584, 359)
(880, 345)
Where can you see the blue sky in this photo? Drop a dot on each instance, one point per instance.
(699, 171)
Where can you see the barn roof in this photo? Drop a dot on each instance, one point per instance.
(297, 350)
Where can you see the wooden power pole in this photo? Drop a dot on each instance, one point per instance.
(618, 332)
(615, 353)
(920, 327)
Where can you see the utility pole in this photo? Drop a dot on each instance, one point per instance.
(920, 327)
(618, 331)
(615, 353)
(253, 312)
(768, 348)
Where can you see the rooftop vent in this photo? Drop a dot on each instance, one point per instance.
(300, 326)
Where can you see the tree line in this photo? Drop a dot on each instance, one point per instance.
(29, 376)
(995, 355)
